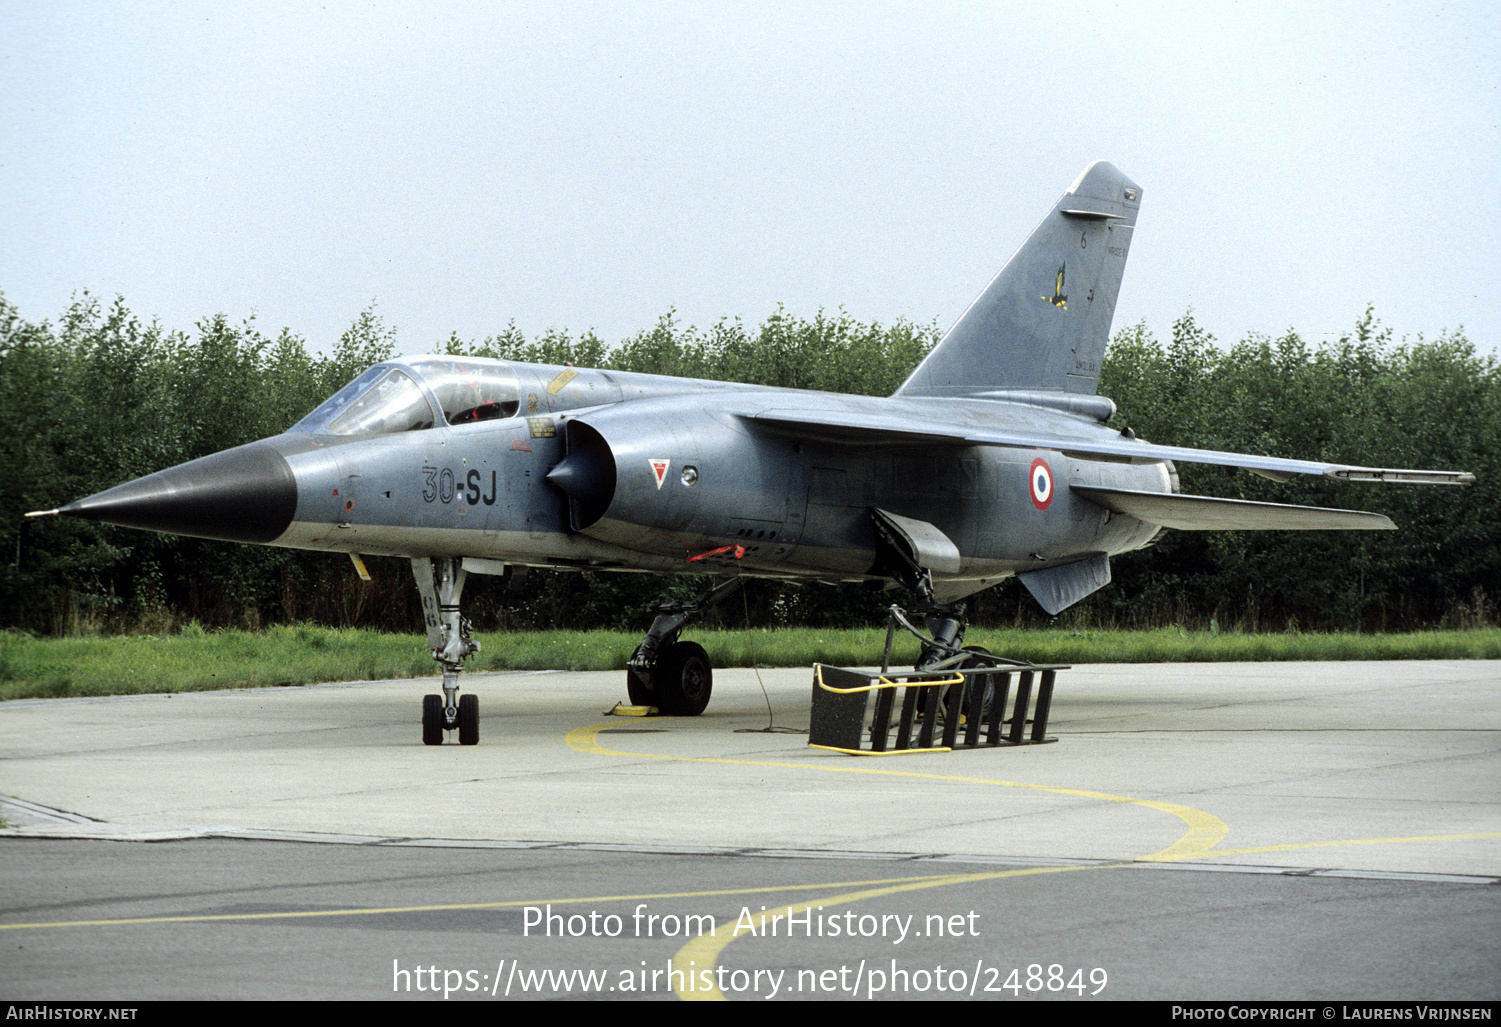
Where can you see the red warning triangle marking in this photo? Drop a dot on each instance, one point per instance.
(659, 469)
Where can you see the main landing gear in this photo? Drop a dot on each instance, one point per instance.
(440, 582)
(899, 552)
(900, 555)
(675, 676)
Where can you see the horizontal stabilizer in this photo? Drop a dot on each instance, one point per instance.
(1207, 513)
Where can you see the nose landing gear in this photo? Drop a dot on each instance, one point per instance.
(441, 584)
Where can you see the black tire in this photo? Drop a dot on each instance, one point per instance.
(432, 720)
(468, 720)
(639, 687)
(685, 680)
(974, 663)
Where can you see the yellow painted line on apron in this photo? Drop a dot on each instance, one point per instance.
(367, 911)
(880, 886)
(1204, 831)
(702, 953)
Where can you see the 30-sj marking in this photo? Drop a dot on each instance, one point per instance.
(442, 486)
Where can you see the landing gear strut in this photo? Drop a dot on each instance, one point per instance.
(898, 555)
(440, 582)
(674, 676)
(945, 623)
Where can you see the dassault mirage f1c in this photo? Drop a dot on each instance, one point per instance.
(992, 459)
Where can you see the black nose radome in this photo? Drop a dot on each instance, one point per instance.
(247, 494)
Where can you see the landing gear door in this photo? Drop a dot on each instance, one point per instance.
(928, 547)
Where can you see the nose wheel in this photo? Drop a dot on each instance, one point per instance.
(434, 721)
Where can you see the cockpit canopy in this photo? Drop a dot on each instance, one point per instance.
(412, 395)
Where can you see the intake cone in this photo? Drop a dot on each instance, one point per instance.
(586, 475)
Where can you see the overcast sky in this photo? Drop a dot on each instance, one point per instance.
(593, 165)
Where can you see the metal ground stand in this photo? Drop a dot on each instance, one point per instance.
(966, 690)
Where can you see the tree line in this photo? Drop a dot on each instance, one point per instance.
(99, 398)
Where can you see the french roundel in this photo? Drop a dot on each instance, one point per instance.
(1041, 482)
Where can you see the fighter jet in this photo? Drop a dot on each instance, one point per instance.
(991, 460)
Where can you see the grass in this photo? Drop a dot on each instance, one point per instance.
(195, 660)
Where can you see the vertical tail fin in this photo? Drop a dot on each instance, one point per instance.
(1044, 321)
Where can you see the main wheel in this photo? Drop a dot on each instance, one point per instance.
(432, 720)
(468, 720)
(976, 663)
(639, 687)
(684, 680)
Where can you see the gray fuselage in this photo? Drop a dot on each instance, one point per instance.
(683, 467)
